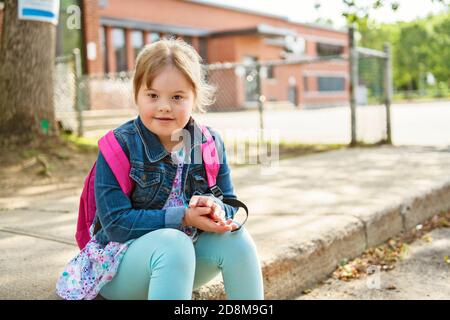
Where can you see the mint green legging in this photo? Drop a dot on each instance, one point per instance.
(166, 265)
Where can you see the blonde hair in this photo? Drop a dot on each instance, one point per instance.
(154, 57)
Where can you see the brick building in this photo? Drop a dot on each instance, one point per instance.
(113, 31)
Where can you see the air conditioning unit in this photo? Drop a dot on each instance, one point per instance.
(295, 45)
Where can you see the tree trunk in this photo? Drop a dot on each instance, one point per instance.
(27, 55)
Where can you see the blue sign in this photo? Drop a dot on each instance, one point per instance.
(39, 10)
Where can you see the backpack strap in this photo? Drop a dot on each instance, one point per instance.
(117, 161)
(212, 167)
(210, 157)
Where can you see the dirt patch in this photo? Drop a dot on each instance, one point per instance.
(52, 162)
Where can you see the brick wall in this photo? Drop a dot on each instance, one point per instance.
(91, 34)
(219, 49)
(184, 13)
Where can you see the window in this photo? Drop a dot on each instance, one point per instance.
(296, 45)
(203, 50)
(270, 74)
(250, 80)
(153, 37)
(118, 40)
(324, 49)
(188, 39)
(137, 41)
(104, 49)
(331, 83)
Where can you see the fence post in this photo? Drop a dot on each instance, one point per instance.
(388, 88)
(353, 82)
(78, 75)
(260, 107)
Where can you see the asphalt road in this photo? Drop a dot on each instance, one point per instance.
(412, 124)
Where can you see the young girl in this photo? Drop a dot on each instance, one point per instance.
(172, 235)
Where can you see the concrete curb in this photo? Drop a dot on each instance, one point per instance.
(305, 264)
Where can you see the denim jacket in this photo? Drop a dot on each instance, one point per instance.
(152, 169)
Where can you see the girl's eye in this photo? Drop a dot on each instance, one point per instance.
(153, 96)
(178, 98)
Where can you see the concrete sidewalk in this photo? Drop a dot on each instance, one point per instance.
(306, 215)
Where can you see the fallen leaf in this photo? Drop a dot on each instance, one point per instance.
(427, 238)
(391, 287)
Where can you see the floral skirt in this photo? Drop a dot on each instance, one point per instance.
(90, 270)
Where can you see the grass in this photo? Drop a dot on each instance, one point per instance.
(290, 149)
(293, 149)
(429, 98)
(82, 143)
(402, 98)
(286, 149)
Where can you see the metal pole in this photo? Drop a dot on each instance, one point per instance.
(260, 106)
(388, 89)
(353, 82)
(78, 75)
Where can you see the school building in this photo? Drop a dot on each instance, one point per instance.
(113, 31)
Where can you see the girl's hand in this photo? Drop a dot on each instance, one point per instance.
(199, 217)
(217, 214)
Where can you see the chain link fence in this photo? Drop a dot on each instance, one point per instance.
(65, 94)
(371, 95)
(304, 100)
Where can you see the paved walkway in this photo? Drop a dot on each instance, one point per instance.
(306, 215)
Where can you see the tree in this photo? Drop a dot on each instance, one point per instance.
(27, 55)
(358, 10)
(412, 55)
(440, 46)
(420, 47)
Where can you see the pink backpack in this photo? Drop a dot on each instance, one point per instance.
(120, 166)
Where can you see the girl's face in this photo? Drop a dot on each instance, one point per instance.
(167, 106)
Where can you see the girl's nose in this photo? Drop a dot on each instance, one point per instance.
(164, 106)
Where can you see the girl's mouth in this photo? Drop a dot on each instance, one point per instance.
(164, 120)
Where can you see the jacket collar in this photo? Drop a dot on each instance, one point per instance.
(153, 147)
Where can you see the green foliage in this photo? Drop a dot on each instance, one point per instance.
(69, 38)
(411, 55)
(439, 62)
(419, 47)
(357, 11)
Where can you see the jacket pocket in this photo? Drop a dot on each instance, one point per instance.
(147, 185)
